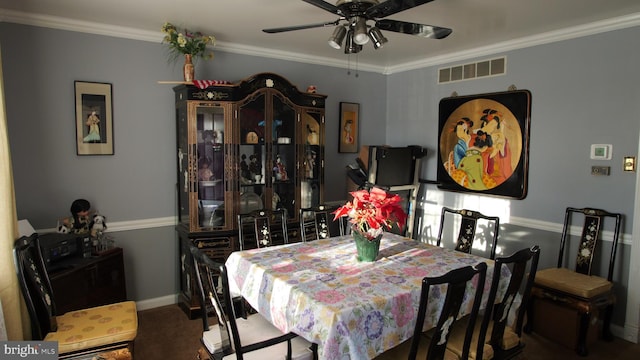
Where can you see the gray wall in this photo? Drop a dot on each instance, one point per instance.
(138, 181)
(584, 91)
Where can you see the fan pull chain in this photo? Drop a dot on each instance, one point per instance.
(357, 58)
(349, 65)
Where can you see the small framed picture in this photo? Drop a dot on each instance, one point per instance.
(94, 118)
(349, 123)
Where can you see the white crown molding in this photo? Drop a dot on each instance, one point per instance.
(597, 27)
(61, 23)
(291, 56)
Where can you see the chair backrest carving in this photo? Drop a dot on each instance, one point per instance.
(468, 226)
(591, 235)
(35, 286)
(262, 224)
(317, 223)
(457, 289)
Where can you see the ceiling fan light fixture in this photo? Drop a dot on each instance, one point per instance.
(360, 31)
(335, 40)
(377, 38)
(350, 47)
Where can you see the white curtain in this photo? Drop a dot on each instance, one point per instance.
(12, 304)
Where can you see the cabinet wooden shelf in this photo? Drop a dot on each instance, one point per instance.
(261, 140)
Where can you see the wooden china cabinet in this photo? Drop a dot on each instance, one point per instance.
(257, 143)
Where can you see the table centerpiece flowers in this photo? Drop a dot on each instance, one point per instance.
(188, 43)
(370, 213)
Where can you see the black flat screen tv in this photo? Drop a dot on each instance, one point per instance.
(394, 166)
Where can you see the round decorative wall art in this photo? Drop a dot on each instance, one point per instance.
(483, 143)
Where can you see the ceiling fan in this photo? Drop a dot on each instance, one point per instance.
(352, 23)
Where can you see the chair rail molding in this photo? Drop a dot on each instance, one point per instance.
(132, 224)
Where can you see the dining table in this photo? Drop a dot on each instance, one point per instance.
(350, 309)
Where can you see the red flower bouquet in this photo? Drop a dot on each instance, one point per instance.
(373, 211)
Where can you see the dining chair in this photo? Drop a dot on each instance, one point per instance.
(586, 296)
(255, 229)
(81, 333)
(468, 229)
(456, 282)
(345, 225)
(317, 223)
(237, 338)
(497, 336)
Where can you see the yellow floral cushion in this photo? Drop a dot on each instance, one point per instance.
(571, 282)
(456, 340)
(94, 327)
(509, 339)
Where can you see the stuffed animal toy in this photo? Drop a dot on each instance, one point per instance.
(98, 225)
(63, 229)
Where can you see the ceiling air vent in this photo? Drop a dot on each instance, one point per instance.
(480, 69)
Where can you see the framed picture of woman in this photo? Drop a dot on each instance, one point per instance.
(349, 122)
(94, 119)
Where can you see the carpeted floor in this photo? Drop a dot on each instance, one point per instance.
(166, 333)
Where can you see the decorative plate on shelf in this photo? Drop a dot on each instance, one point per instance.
(252, 137)
(210, 182)
(250, 201)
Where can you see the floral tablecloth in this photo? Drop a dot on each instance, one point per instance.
(352, 310)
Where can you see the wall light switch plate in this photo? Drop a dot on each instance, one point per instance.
(601, 151)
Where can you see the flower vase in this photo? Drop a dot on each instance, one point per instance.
(188, 70)
(367, 249)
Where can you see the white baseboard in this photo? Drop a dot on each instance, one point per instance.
(157, 302)
(629, 333)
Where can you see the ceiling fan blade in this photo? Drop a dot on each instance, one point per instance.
(300, 27)
(428, 31)
(390, 7)
(325, 6)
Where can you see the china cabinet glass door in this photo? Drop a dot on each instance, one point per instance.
(312, 123)
(267, 153)
(252, 155)
(210, 132)
(184, 190)
(283, 156)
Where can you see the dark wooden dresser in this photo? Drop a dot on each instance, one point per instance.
(80, 282)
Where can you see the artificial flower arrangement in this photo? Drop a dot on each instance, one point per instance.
(372, 211)
(186, 42)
